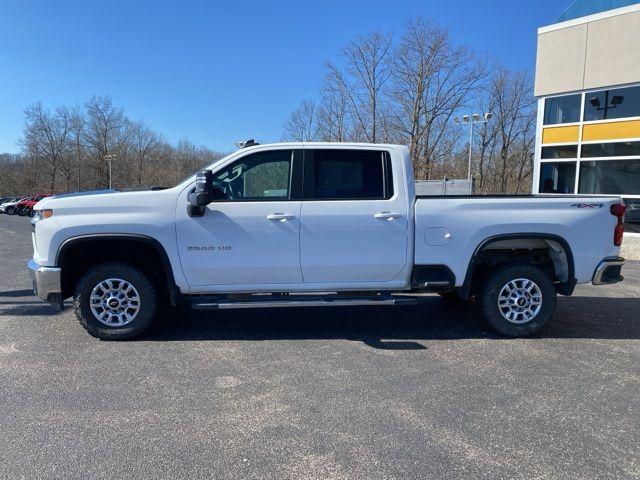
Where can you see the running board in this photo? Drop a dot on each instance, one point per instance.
(301, 302)
(440, 286)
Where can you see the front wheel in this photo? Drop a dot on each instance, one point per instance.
(10, 210)
(517, 299)
(115, 301)
(20, 211)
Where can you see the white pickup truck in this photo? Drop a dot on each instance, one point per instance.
(317, 224)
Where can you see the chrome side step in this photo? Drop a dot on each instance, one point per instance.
(301, 302)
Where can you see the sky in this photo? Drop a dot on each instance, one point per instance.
(219, 72)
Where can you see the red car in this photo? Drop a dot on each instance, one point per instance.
(25, 206)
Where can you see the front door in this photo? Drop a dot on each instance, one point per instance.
(354, 220)
(250, 240)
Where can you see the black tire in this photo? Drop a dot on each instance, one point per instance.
(492, 286)
(29, 212)
(148, 301)
(20, 211)
(10, 210)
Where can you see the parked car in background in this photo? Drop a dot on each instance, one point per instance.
(10, 207)
(25, 206)
(21, 205)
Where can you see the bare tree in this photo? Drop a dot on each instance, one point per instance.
(366, 73)
(145, 146)
(333, 115)
(77, 148)
(302, 124)
(523, 157)
(105, 132)
(432, 79)
(12, 178)
(45, 138)
(409, 93)
(512, 101)
(67, 149)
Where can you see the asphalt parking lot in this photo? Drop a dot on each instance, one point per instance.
(413, 392)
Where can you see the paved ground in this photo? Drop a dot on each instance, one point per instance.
(631, 246)
(413, 392)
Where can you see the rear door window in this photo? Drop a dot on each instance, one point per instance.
(342, 174)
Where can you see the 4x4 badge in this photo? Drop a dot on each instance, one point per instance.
(588, 205)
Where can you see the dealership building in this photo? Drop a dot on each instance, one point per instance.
(588, 88)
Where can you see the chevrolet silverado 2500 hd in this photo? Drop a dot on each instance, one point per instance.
(317, 224)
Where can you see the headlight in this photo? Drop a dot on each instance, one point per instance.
(41, 215)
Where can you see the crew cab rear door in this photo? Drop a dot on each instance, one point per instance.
(354, 219)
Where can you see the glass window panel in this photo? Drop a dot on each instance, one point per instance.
(565, 109)
(346, 174)
(564, 151)
(616, 149)
(615, 177)
(590, 7)
(557, 177)
(632, 215)
(263, 175)
(617, 103)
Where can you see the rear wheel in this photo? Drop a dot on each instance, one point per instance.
(517, 299)
(10, 210)
(20, 211)
(29, 212)
(115, 301)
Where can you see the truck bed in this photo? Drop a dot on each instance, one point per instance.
(449, 229)
(530, 195)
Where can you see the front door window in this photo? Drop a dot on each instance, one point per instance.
(257, 177)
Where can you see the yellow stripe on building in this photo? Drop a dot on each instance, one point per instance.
(560, 134)
(611, 130)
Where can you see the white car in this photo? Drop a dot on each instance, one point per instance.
(317, 224)
(10, 207)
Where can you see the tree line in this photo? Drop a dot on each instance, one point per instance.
(405, 89)
(69, 149)
(409, 90)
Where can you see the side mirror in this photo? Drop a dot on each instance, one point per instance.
(201, 196)
(205, 193)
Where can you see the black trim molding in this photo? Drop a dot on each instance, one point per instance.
(174, 291)
(565, 288)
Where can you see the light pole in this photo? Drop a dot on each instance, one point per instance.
(109, 158)
(471, 120)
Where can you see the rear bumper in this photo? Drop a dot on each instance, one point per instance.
(46, 283)
(608, 271)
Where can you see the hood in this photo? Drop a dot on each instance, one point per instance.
(114, 201)
(82, 194)
(102, 192)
